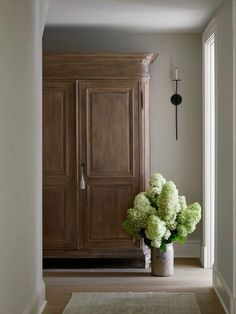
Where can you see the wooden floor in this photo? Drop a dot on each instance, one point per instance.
(189, 277)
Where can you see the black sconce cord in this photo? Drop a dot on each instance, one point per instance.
(176, 100)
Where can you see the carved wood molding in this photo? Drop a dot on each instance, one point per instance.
(93, 65)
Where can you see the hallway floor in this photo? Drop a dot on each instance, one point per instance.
(189, 277)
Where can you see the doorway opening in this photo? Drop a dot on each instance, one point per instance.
(208, 146)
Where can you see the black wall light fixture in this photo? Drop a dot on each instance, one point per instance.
(176, 100)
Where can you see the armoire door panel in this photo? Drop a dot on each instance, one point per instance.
(107, 206)
(110, 141)
(54, 216)
(59, 165)
(107, 203)
(124, 201)
(55, 134)
(109, 131)
(101, 200)
(108, 107)
(58, 219)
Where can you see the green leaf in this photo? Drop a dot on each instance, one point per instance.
(163, 248)
(182, 240)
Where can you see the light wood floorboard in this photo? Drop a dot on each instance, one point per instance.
(189, 277)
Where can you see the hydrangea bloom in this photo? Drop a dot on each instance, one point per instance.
(182, 231)
(189, 217)
(168, 203)
(167, 234)
(160, 215)
(156, 243)
(131, 228)
(141, 201)
(155, 230)
(171, 225)
(152, 194)
(157, 181)
(137, 219)
(182, 202)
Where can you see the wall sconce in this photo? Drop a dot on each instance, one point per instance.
(176, 100)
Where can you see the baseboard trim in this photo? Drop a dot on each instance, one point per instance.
(42, 307)
(37, 303)
(203, 257)
(192, 248)
(223, 292)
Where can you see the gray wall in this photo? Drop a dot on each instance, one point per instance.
(177, 160)
(21, 285)
(224, 143)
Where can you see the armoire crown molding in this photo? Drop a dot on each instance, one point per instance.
(97, 65)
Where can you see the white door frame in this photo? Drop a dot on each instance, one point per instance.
(209, 104)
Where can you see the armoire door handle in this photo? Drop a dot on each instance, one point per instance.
(82, 181)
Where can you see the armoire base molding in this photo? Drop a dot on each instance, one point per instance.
(74, 263)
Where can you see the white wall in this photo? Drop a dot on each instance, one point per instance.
(225, 243)
(21, 285)
(177, 160)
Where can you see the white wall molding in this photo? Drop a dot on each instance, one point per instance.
(208, 144)
(37, 302)
(210, 29)
(192, 248)
(223, 292)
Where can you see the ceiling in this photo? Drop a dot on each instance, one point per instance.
(137, 15)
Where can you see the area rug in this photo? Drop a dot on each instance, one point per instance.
(132, 303)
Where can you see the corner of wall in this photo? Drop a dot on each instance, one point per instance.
(37, 302)
(234, 148)
(223, 292)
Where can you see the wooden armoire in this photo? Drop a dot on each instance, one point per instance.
(95, 153)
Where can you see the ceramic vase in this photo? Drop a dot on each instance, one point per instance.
(162, 263)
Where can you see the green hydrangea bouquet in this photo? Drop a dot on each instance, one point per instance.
(160, 216)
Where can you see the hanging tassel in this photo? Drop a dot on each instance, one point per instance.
(82, 182)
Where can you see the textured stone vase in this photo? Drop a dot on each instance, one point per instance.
(162, 263)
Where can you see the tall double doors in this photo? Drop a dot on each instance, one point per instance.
(91, 166)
